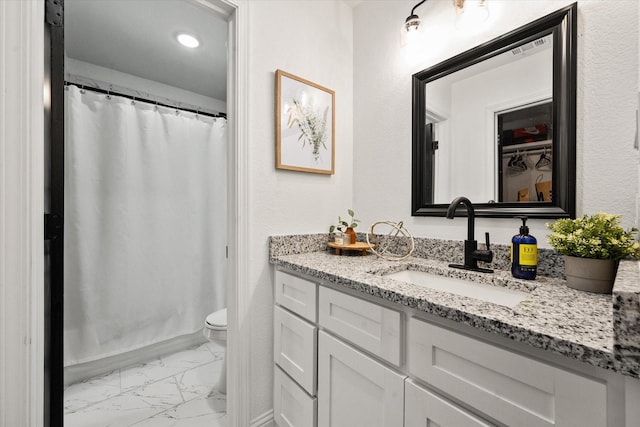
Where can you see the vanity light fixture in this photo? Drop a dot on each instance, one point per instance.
(470, 13)
(412, 23)
(188, 40)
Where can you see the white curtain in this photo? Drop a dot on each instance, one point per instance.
(145, 223)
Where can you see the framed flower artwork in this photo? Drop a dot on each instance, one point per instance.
(305, 125)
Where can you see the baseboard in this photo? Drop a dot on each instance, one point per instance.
(264, 420)
(82, 371)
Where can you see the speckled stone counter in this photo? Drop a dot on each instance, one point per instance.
(626, 310)
(555, 318)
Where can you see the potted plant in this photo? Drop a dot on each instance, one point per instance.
(347, 226)
(592, 247)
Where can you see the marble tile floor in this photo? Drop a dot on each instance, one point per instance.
(174, 390)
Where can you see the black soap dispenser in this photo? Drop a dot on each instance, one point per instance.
(524, 253)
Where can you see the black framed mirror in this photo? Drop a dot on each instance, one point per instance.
(497, 124)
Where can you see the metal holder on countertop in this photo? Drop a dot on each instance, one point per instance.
(391, 246)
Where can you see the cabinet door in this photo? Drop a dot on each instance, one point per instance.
(632, 397)
(370, 326)
(296, 294)
(506, 386)
(355, 390)
(294, 347)
(423, 408)
(292, 407)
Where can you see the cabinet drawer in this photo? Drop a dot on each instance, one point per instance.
(423, 408)
(506, 386)
(294, 348)
(370, 326)
(292, 407)
(298, 295)
(354, 390)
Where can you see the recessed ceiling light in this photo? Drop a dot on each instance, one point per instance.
(188, 40)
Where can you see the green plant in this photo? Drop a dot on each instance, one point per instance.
(353, 223)
(598, 236)
(312, 126)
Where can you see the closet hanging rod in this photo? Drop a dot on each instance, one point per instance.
(528, 152)
(527, 146)
(148, 101)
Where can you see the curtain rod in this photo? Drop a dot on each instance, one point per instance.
(136, 98)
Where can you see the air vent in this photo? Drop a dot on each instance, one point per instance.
(521, 50)
(540, 42)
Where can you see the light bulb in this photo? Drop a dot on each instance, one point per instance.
(471, 14)
(411, 31)
(188, 40)
(412, 23)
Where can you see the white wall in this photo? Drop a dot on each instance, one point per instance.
(638, 134)
(313, 40)
(607, 170)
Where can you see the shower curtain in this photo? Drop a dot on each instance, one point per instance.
(145, 223)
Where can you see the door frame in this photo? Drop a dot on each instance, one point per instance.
(238, 289)
(22, 135)
(21, 213)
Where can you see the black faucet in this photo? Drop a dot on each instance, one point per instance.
(471, 253)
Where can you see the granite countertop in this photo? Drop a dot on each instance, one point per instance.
(555, 318)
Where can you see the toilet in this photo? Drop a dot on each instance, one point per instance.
(215, 330)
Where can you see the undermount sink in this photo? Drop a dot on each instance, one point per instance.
(493, 294)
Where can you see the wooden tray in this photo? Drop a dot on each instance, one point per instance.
(357, 246)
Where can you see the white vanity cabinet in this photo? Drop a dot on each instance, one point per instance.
(422, 408)
(355, 390)
(342, 359)
(295, 348)
(292, 406)
(295, 351)
(296, 294)
(508, 387)
(372, 327)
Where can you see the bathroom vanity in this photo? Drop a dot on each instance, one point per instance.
(357, 344)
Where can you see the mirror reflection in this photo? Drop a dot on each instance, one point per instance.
(492, 127)
(525, 159)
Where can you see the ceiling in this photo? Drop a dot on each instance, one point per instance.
(138, 37)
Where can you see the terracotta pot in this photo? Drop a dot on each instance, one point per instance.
(591, 275)
(352, 234)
